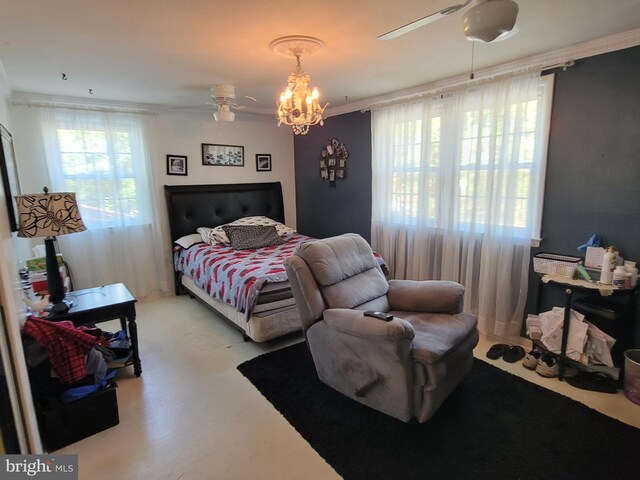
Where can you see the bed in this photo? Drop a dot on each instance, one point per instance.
(268, 310)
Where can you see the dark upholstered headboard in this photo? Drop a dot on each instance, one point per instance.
(193, 206)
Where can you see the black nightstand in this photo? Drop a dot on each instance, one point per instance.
(99, 304)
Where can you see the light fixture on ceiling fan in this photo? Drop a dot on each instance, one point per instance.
(484, 22)
(224, 97)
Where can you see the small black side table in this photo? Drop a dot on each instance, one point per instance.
(581, 286)
(99, 304)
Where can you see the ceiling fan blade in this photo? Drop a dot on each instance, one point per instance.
(423, 21)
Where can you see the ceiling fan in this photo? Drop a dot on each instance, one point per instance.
(224, 97)
(484, 22)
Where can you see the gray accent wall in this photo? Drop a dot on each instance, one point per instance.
(593, 167)
(323, 210)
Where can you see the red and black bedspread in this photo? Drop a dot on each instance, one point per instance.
(236, 276)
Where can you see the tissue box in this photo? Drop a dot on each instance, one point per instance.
(593, 257)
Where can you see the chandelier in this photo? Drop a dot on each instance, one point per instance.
(299, 105)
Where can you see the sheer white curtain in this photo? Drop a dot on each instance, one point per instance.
(102, 157)
(457, 191)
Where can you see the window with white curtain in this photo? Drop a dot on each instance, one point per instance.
(103, 157)
(496, 149)
(458, 184)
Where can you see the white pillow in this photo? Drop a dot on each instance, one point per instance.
(189, 240)
(218, 235)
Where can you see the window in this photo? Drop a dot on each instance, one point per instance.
(467, 159)
(101, 157)
(457, 191)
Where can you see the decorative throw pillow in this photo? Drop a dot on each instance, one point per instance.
(218, 235)
(207, 235)
(246, 237)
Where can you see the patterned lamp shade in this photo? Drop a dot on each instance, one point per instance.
(48, 214)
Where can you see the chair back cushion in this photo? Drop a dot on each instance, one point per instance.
(345, 270)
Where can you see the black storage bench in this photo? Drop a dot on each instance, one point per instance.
(62, 424)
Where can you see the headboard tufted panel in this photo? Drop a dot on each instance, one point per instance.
(193, 206)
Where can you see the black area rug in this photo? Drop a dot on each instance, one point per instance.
(494, 426)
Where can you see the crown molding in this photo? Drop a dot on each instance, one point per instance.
(550, 59)
(52, 101)
(27, 99)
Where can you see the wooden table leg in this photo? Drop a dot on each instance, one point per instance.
(133, 333)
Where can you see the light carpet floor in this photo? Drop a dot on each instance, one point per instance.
(192, 415)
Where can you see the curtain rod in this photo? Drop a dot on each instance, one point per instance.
(80, 106)
(564, 65)
(466, 83)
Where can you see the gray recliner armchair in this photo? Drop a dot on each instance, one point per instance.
(405, 367)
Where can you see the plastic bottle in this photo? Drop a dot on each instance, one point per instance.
(619, 276)
(608, 264)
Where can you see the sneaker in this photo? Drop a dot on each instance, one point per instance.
(532, 358)
(547, 366)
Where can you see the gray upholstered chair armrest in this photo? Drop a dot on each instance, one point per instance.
(353, 322)
(434, 296)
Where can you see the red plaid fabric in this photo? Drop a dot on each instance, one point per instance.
(67, 346)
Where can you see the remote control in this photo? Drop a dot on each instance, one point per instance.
(379, 315)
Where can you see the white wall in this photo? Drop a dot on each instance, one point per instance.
(181, 133)
(177, 133)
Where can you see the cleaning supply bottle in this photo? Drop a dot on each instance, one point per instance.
(608, 265)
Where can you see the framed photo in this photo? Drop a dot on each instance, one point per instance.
(176, 165)
(223, 155)
(263, 162)
(9, 173)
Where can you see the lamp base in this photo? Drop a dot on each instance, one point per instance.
(62, 306)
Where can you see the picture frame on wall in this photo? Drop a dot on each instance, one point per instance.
(176, 165)
(9, 173)
(263, 162)
(222, 155)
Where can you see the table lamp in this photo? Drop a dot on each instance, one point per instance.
(49, 215)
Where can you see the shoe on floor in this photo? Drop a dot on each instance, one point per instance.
(547, 366)
(513, 354)
(532, 358)
(497, 350)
